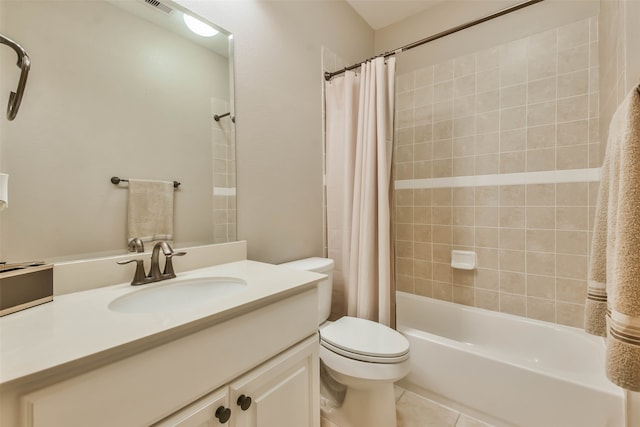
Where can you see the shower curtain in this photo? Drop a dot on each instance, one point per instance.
(359, 147)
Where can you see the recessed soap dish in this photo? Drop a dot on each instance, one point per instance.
(463, 260)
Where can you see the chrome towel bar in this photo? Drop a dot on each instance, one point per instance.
(116, 180)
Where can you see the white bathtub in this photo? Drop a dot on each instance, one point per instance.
(506, 369)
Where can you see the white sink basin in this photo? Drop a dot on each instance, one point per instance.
(177, 295)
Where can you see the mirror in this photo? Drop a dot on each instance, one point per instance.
(117, 88)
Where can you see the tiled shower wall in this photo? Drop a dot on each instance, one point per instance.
(496, 152)
(224, 175)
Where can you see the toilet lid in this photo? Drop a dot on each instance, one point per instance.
(364, 340)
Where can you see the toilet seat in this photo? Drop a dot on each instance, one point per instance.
(364, 340)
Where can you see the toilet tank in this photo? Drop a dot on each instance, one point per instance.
(325, 287)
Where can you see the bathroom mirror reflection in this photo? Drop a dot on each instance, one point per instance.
(117, 88)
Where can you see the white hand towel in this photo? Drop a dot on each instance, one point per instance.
(150, 210)
(4, 191)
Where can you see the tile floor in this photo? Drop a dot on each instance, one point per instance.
(414, 410)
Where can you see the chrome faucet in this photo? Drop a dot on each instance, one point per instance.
(140, 278)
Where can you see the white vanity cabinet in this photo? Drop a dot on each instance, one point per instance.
(279, 393)
(267, 351)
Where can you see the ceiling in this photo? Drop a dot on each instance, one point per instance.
(380, 13)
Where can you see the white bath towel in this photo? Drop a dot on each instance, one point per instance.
(613, 300)
(150, 210)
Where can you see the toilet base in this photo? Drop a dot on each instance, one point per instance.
(374, 406)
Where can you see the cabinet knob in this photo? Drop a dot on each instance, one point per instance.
(244, 402)
(223, 414)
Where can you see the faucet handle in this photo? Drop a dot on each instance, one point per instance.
(168, 265)
(139, 276)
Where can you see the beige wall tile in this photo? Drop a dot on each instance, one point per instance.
(487, 164)
(404, 283)
(541, 217)
(488, 278)
(574, 108)
(571, 266)
(464, 166)
(573, 59)
(541, 90)
(463, 86)
(424, 77)
(573, 35)
(422, 215)
(422, 269)
(541, 309)
(513, 162)
(422, 233)
(464, 106)
(464, 126)
(571, 291)
(463, 236)
(540, 114)
(443, 130)
(463, 215)
(541, 240)
(573, 194)
(541, 286)
(570, 314)
(572, 218)
(442, 168)
(572, 157)
(513, 140)
(512, 195)
(542, 263)
(487, 196)
(487, 143)
(443, 291)
(541, 137)
(423, 251)
(488, 96)
(442, 234)
(511, 260)
(441, 272)
(464, 196)
(442, 253)
(422, 197)
(513, 72)
(541, 195)
(487, 216)
(513, 96)
(573, 133)
(423, 287)
(463, 147)
(488, 258)
(512, 238)
(488, 59)
(512, 217)
(463, 277)
(489, 300)
(513, 304)
(572, 84)
(513, 118)
(488, 122)
(464, 295)
(541, 160)
(512, 282)
(487, 237)
(443, 71)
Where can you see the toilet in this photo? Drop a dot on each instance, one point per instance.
(360, 361)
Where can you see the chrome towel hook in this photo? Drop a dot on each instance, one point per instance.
(24, 63)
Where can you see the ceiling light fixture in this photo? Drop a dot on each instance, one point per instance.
(199, 27)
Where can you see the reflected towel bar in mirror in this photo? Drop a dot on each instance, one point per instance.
(217, 117)
(116, 180)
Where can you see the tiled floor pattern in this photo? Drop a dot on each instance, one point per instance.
(414, 410)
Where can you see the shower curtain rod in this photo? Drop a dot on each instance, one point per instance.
(328, 75)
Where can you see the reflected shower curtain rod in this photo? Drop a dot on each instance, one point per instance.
(328, 75)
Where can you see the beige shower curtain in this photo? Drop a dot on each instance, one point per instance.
(359, 140)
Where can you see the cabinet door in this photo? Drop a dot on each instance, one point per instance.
(202, 413)
(284, 392)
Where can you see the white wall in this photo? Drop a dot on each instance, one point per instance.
(279, 117)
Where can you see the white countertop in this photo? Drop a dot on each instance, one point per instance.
(78, 325)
